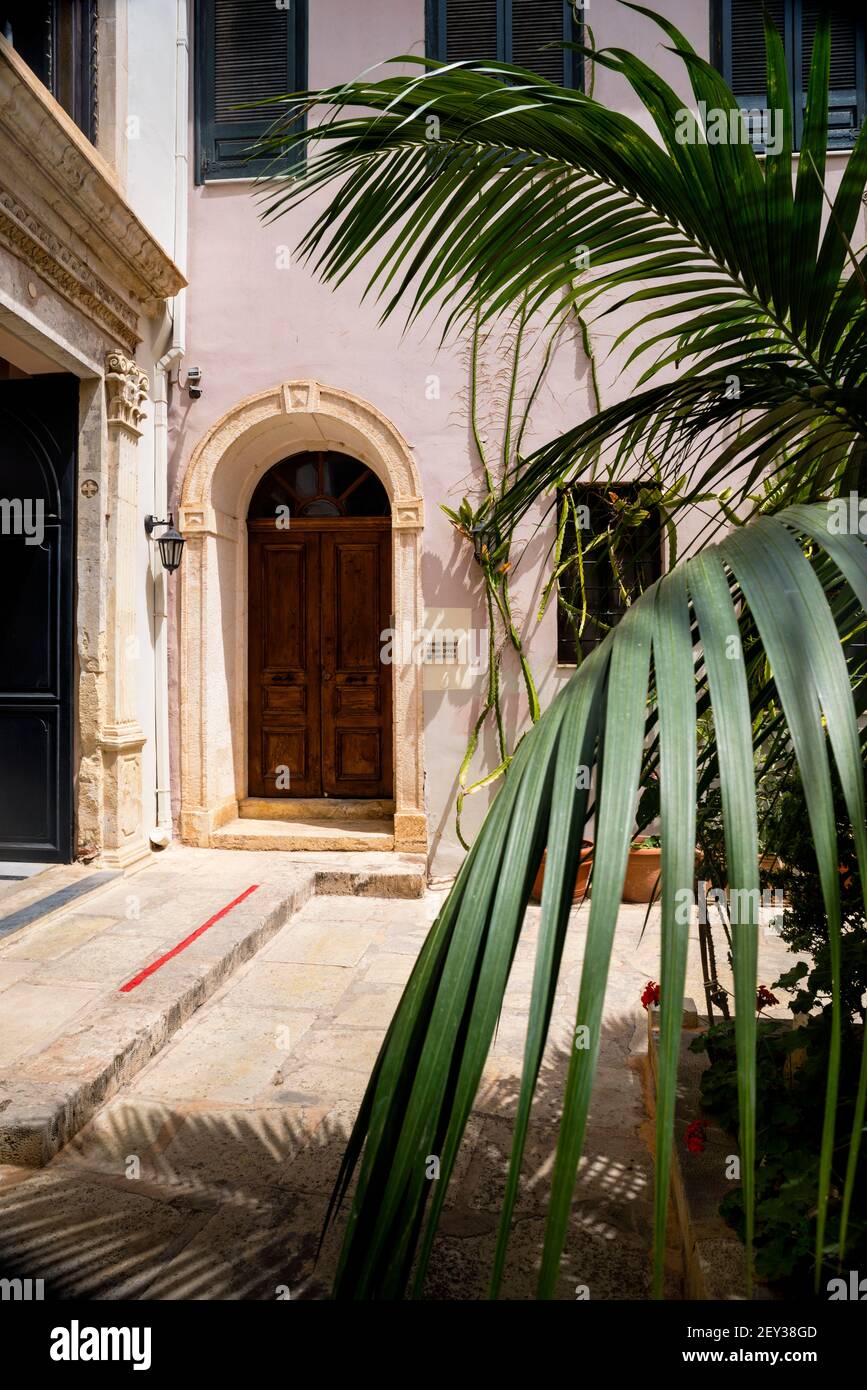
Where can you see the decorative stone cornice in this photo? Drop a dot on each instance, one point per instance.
(23, 234)
(126, 389)
(63, 213)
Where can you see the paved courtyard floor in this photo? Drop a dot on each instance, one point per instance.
(207, 1174)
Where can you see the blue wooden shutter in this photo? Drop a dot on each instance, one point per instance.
(744, 66)
(535, 24)
(740, 55)
(246, 51)
(508, 31)
(473, 30)
(846, 92)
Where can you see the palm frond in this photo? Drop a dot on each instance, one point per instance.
(478, 190)
(474, 188)
(694, 633)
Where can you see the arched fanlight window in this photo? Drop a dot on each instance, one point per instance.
(319, 484)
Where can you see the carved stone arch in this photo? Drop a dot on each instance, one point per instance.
(222, 474)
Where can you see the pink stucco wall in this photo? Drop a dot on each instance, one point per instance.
(251, 325)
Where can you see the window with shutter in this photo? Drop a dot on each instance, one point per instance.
(609, 584)
(845, 111)
(509, 31)
(739, 52)
(246, 52)
(57, 40)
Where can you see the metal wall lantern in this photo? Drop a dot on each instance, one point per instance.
(171, 542)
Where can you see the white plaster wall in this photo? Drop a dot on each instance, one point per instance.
(150, 189)
(150, 128)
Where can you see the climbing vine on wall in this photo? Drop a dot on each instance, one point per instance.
(493, 544)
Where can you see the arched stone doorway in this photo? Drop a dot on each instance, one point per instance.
(221, 479)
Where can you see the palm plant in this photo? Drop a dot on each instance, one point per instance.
(473, 187)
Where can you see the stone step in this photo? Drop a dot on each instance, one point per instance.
(14, 871)
(347, 835)
(86, 1001)
(35, 899)
(313, 809)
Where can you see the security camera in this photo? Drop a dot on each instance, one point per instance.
(194, 382)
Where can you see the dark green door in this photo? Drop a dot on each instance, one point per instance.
(38, 430)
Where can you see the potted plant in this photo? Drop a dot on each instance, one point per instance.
(642, 870)
(582, 878)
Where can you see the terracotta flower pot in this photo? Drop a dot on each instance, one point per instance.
(581, 879)
(642, 873)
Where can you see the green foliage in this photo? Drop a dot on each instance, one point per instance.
(492, 549)
(789, 1098)
(804, 927)
(732, 272)
(791, 1066)
(473, 187)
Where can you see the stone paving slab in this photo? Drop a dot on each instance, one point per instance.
(19, 895)
(88, 998)
(50, 903)
(231, 1136)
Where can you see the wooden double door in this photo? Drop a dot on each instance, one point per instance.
(320, 697)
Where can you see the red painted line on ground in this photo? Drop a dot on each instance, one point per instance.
(187, 941)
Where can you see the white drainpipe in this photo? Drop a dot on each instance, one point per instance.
(161, 833)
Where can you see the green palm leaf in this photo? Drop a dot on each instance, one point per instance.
(521, 173)
(469, 190)
(431, 1062)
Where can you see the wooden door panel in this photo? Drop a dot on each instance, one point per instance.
(285, 620)
(357, 754)
(291, 699)
(354, 603)
(353, 699)
(289, 748)
(284, 663)
(29, 654)
(356, 686)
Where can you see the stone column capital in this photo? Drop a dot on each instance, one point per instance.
(126, 389)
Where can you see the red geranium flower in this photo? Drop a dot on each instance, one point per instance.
(695, 1137)
(650, 994)
(764, 998)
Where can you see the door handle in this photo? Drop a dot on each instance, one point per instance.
(328, 675)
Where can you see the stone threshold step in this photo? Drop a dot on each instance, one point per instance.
(349, 835)
(45, 894)
(326, 808)
(51, 1095)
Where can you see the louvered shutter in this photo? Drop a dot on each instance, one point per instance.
(509, 31)
(536, 24)
(742, 59)
(845, 111)
(247, 51)
(746, 68)
(473, 29)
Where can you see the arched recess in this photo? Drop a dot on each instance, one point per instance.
(219, 482)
